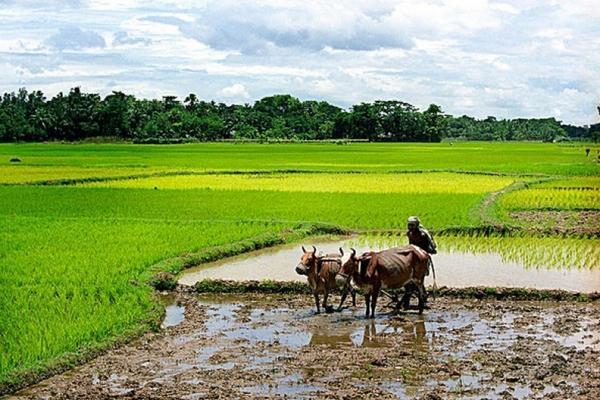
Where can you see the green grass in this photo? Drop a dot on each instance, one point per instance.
(577, 193)
(552, 199)
(75, 260)
(531, 251)
(71, 283)
(538, 158)
(351, 210)
(11, 174)
(415, 183)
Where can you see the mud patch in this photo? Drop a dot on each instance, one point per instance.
(274, 346)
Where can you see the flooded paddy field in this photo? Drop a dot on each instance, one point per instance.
(274, 346)
(535, 263)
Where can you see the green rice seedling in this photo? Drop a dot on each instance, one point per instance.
(552, 199)
(420, 183)
(541, 252)
(520, 158)
(575, 182)
(74, 283)
(350, 210)
(19, 174)
(580, 193)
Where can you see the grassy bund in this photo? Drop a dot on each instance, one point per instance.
(84, 228)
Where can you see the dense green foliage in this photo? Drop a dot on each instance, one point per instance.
(75, 260)
(29, 116)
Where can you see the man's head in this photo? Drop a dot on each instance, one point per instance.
(413, 223)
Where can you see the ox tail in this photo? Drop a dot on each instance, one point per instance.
(433, 271)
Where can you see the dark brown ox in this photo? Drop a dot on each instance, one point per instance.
(322, 272)
(388, 269)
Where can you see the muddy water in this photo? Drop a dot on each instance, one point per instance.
(174, 311)
(275, 346)
(453, 268)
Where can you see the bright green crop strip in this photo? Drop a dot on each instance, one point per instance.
(576, 193)
(353, 210)
(524, 158)
(10, 174)
(576, 182)
(419, 183)
(555, 199)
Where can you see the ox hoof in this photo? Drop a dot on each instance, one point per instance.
(329, 309)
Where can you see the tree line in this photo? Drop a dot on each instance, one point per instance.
(30, 116)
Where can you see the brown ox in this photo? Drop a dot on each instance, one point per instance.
(322, 272)
(388, 269)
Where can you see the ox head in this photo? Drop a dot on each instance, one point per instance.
(357, 264)
(307, 262)
(351, 265)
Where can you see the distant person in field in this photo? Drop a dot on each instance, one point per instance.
(587, 152)
(419, 236)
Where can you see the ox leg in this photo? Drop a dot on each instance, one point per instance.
(422, 298)
(353, 294)
(374, 302)
(368, 304)
(344, 295)
(327, 308)
(409, 288)
(317, 302)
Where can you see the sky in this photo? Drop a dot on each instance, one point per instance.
(504, 58)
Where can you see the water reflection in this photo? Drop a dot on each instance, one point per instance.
(370, 333)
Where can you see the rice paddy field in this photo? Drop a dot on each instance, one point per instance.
(578, 193)
(83, 228)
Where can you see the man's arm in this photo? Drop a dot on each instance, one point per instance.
(432, 248)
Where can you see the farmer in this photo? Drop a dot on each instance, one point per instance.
(419, 236)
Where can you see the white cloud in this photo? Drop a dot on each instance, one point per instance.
(324, 86)
(504, 7)
(139, 26)
(236, 90)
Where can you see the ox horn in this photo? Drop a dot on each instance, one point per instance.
(314, 250)
(353, 255)
(303, 249)
(341, 252)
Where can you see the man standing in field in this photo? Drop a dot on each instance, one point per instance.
(419, 236)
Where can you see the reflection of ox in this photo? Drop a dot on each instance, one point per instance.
(369, 334)
(335, 335)
(321, 272)
(388, 269)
